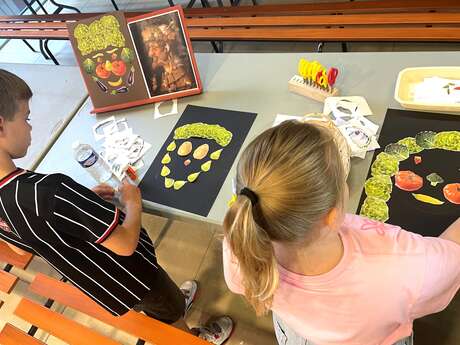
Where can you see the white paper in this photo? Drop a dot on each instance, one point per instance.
(359, 138)
(352, 105)
(121, 147)
(437, 90)
(157, 114)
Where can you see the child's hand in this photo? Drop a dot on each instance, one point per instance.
(130, 195)
(104, 191)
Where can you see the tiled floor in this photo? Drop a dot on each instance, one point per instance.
(199, 245)
(200, 258)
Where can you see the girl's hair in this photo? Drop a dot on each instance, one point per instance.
(297, 175)
(12, 90)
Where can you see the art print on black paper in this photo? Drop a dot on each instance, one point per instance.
(414, 179)
(193, 163)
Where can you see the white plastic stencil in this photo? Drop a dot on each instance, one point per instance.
(157, 114)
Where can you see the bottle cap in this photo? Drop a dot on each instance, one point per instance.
(75, 144)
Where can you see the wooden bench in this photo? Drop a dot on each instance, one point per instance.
(11, 258)
(70, 331)
(384, 20)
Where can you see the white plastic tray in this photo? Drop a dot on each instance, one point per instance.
(409, 77)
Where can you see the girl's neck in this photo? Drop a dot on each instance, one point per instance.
(315, 258)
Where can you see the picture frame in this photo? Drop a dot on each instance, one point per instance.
(135, 61)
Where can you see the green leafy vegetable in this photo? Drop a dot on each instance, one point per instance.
(89, 66)
(425, 139)
(411, 144)
(399, 151)
(449, 140)
(204, 130)
(385, 164)
(434, 179)
(127, 55)
(379, 186)
(375, 208)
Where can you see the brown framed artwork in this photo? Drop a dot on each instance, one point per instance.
(126, 63)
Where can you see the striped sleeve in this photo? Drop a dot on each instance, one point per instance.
(81, 213)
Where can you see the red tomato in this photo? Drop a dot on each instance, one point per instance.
(417, 159)
(118, 67)
(408, 180)
(101, 72)
(452, 192)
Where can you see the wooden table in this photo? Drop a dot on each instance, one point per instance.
(253, 83)
(58, 92)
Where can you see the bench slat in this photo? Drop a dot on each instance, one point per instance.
(38, 34)
(7, 281)
(33, 26)
(8, 255)
(11, 335)
(362, 33)
(132, 322)
(58, 325)
(349, 19)
(447, 34)
(327, 8)
(61, 17)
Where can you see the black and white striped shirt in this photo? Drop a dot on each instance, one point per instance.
(63, 222)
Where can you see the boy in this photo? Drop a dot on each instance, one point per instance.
(101, 250)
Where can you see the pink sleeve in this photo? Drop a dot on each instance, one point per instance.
(441, 278)
(231, 271)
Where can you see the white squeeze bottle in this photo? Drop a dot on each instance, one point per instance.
(90, 160)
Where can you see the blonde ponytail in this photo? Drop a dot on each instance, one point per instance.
(252, 246)
(295, 171)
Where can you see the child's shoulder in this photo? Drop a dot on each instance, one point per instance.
(374, 237)
(37, 180)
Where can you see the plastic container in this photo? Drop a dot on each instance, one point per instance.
(409, 77)
(90, 160)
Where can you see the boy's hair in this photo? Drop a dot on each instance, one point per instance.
(297, 175)
(12, 90)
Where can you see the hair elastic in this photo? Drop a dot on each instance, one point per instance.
(250, 194)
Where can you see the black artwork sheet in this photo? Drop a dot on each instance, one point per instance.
(405, 210)
(199, 196)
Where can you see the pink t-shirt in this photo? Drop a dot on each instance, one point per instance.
(386, 278)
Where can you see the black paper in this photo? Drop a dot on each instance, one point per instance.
(405, 210)
(199, 196)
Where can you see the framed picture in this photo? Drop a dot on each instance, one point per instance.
(142, 60)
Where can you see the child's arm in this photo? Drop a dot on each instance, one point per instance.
(452, 233)
(124, 239)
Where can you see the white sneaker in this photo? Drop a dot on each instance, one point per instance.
(189, 289)
(218, 331)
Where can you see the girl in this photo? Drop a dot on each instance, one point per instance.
(329, 278)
